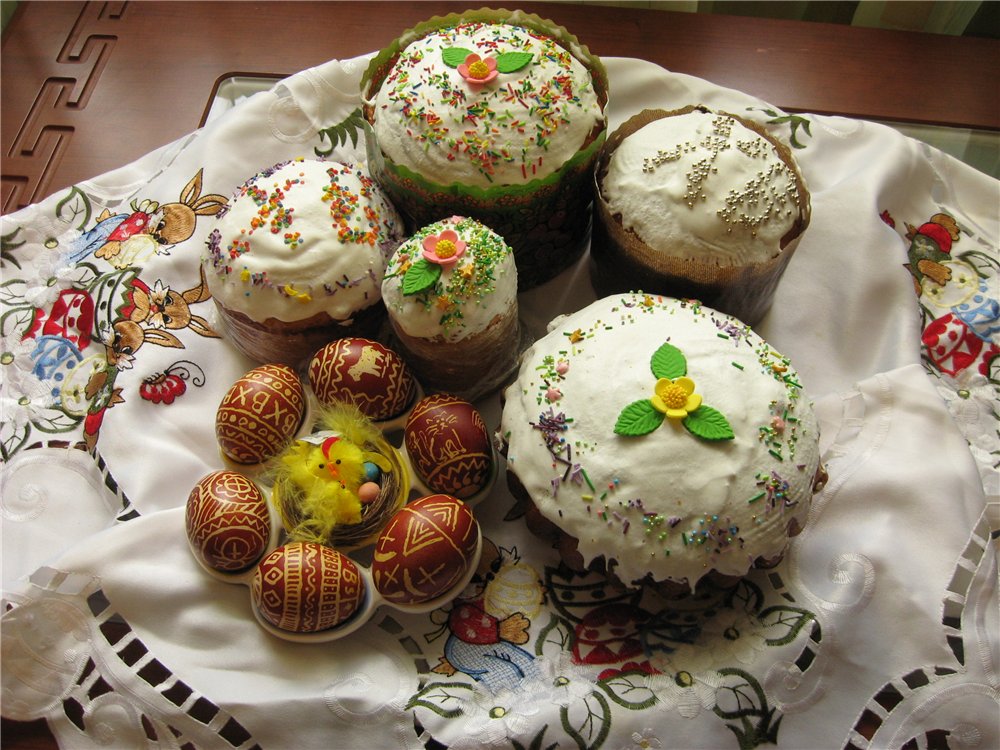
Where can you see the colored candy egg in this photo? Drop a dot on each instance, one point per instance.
(260, 413)
(425, 550)
(449, 446)
(227, 521)
(365, 373)
(304, 587)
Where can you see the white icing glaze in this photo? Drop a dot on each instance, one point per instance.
(481, 285)
(634, 498)
(702, 186)
(302, 238)
(521, 126)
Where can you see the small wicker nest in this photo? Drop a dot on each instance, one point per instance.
(394, 485)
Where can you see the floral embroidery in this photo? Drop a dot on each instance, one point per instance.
(84, 288)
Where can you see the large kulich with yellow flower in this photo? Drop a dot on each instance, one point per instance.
(297, 258)
(451, 294)
(498, 115)
(663, 438)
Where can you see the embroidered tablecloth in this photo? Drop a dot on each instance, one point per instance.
(879, 629)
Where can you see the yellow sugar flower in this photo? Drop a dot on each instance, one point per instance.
(675, 397)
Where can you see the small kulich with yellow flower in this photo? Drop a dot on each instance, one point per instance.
(661, 441)
(451, 294)
(493, 114)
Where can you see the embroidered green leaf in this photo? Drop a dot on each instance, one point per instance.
(338, 134)
(421, 276)
(787, 621)
(454, 56)
(668, 362)
(638, 418)
(508, 62)
(708, 424)
(443, 698)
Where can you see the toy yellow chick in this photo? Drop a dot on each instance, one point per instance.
(323, 480)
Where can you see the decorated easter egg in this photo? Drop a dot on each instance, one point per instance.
(260, 414)
(365, 373)
(449, 446)
(227, 521)
(304, 587)
(425, 550)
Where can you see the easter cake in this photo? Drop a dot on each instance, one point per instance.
(297, 258)
(496, 115)
(661, 441)
(451, 294)
(696, 203)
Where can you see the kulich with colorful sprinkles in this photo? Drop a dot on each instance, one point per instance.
(497, 115)
(298, 256)
(515, 108)
(451, 294)
(663, 439)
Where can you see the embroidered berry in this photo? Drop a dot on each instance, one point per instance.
(162, 388)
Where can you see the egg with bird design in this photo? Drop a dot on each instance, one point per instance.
(260, 414)
(426, 550)
(365, 373)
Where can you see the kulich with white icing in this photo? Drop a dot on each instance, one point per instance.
(301, 239)
(469, 292)
(703, 186)
(713, 476)
(515, 111)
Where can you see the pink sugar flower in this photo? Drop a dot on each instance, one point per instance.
(444, 249)
(478, 70)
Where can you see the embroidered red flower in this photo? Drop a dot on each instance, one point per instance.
(443, 249)
(478, 70)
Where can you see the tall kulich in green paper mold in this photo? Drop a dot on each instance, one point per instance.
(496, 115)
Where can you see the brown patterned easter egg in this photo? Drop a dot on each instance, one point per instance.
(260, 414)
(425, 550)
(365, 373)
(227, 521)
(449, 446)
(304, 587)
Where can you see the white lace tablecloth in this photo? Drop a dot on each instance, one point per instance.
(879, 629)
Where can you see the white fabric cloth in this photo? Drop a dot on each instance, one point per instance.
(879, 628)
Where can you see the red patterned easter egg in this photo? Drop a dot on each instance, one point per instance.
(227, 521)
(304, 587)
(365, 373)
(260, 414)
(449, 446)
(425, 550)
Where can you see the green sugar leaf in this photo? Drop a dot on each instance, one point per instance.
(508, 62)
(454, 56)
(708, 424)
(668, 362)
(638, 418)
(420, 276)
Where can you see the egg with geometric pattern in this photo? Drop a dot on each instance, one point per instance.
(449, 446)
(425, 550)
(305, 587)
(227, 521)
(260, 414)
